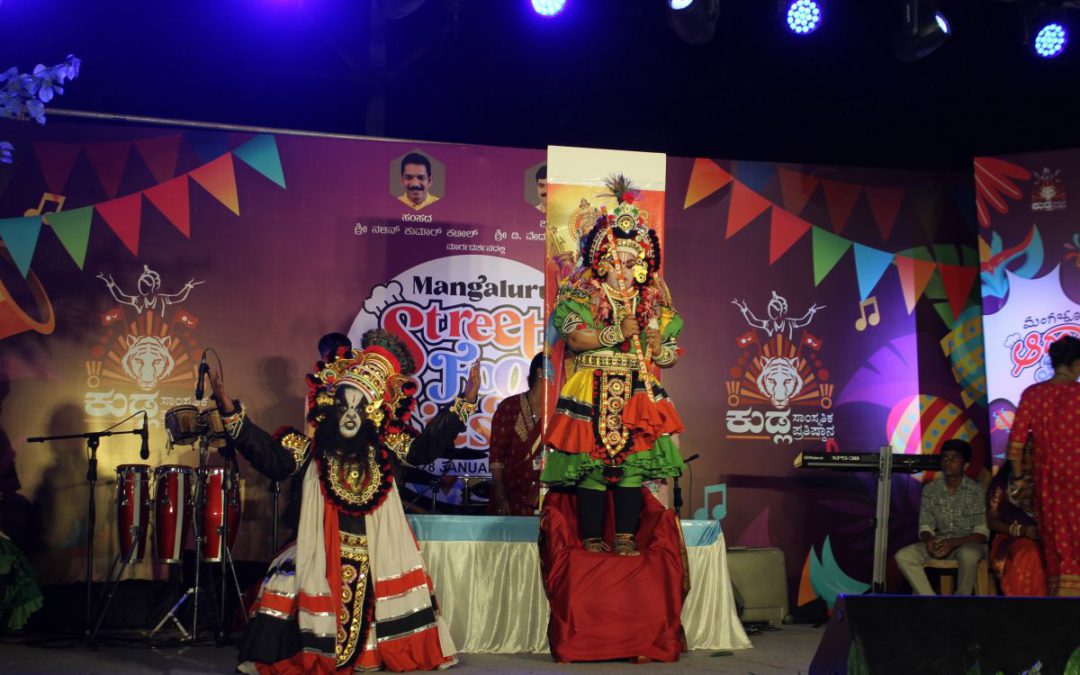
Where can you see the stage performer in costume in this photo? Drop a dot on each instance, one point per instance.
(613, 422)
(1047, 411)
(352, 592)
(612, 430)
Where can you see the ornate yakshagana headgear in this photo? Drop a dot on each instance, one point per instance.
(624, 230)
(377, 371)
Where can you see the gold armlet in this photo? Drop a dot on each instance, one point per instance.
(610, 336)
(298, 445)
(666, 357)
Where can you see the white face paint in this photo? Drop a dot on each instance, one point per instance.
(349, 423)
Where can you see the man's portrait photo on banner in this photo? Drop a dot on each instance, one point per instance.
(417, 180)
(536, 186)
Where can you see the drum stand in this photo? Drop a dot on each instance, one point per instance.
(197, 589)
(114, 582)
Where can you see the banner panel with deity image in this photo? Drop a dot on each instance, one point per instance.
(585, 185)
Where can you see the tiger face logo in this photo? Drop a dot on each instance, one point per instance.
(780, 381)
(148, 360)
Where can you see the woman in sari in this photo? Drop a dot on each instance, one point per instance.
(1050, 412)
(1015, 554)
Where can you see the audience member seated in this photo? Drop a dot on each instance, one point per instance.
(1015, 553)
(952, 524)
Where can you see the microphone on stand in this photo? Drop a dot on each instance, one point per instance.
(200, 388)
(144, 449)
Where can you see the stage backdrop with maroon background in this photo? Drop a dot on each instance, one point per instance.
(823, 306)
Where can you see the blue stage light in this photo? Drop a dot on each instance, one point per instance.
(942, 23)
(679, 4)
(548, 7)
(1050, 40)
(803, 16)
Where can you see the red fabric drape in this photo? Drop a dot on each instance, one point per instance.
(606, 607)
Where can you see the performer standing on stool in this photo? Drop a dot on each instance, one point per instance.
(613, 422)
(352, 592)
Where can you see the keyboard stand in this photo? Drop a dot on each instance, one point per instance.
(881, 520)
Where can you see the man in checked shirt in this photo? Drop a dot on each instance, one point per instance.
(952, 523)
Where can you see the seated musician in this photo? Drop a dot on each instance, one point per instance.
(1015, 554)
(952, 523)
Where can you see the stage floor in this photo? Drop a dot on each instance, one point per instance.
(786, 651)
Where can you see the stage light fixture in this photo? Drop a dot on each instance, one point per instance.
(548, 8)
(923, 30)
(1051, 39)
(803, 16)
(694, 21)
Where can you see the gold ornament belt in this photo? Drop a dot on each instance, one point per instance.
(607, 361)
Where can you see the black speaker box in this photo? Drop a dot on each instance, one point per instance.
(885, 634)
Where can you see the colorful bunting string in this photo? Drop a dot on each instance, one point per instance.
(123, 215)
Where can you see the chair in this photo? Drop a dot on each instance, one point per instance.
(950, 567)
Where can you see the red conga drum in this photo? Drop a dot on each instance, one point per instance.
(172, 510)
(132, 509)
(218, 506)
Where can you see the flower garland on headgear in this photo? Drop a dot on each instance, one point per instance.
(624, 230)
(380, 370)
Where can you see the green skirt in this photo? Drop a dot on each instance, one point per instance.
(568, 469)
(19, 593)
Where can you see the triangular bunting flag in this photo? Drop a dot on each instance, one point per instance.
(840, 198)
(160, 155)
(756, 175)
(219, 180)
(171, 198)
(914, 276)
(784, 230)
(958, 281)
(885, 205)
(870, 265)
(744, 206)
(928, 203)
(56, 161)
(796, 189)
(705, 178)
(109, 160)
(828, 249)
(122, 216)
(72, 228)
(261, 154)
(208, 145)
(20, 236)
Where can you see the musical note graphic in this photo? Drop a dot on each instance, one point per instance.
(47, 198)
(875, 314)
(719, 511)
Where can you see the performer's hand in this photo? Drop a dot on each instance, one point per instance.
(217, 384)
(629, 326)
(1031, 532)
(652, 336)
(472, 385)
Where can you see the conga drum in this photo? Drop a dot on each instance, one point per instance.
(172, 510)
(211, 424)
(216, 508)
(132, 509)
(182, 425)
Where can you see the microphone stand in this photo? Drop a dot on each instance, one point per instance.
(93, 439)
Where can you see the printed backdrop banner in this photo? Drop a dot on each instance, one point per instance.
(824, 307)
(255, 245)
(1029, 248)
